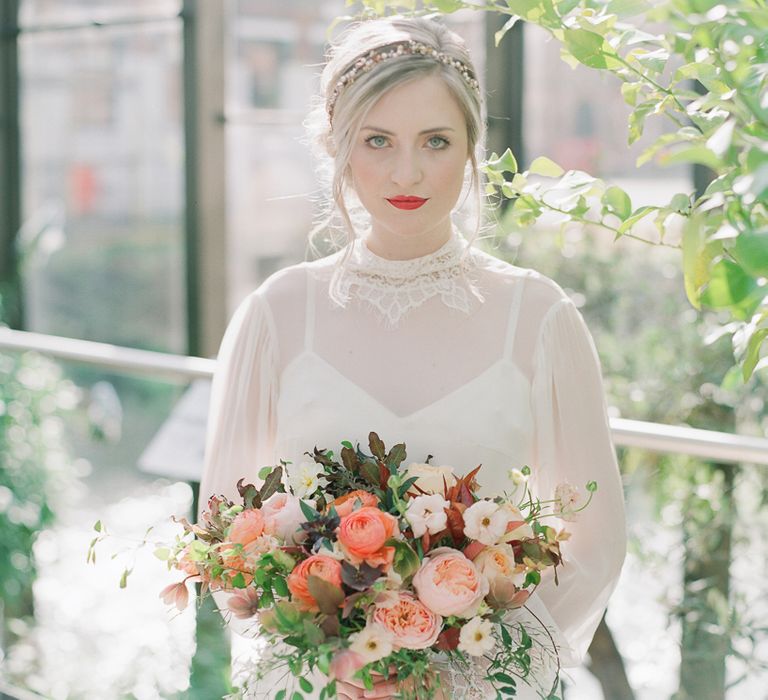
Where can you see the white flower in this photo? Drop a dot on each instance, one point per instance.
(373, 642)
(486, 522)
(306, 479)
(429, 477)
(517, 478)
(476, 637)
(427, 514)
(567, 498)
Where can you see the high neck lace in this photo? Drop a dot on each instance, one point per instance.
(394, 287)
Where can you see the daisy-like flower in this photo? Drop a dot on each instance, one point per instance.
(372, 643)
(427, 514)
(475, 637)
(305, 479)
(567, 499)
(486, 522)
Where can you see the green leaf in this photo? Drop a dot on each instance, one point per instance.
(632, 220)
(280, 695)
(238, 581)
(124, 578)
(264, 472)
(696, 153)
(97, 526)
(162, 553)
(751, 251)
(618, 201)
(505, 678)
(306, 686)
(309, 512)
(544, 166)
(752, 354)
(406, 562)
(280, 586)
(272, 484)
(504, 163)
(728, 285)
(586, 47)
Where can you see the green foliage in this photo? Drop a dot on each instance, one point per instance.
(37, 471)
(706, 73)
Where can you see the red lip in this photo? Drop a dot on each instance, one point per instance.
(407, 202)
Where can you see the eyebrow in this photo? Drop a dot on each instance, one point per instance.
(424, 131)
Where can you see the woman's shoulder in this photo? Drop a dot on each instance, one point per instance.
(533, 283)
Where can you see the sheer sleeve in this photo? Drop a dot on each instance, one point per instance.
(573, 444)
(241, 417)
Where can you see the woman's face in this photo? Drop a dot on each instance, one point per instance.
(413, 143)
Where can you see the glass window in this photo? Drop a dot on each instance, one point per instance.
(34, 13)
(103, 184)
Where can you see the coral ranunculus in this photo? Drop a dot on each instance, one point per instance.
(413, 625)
(246, 527)
(362, 535)
(323, 567)
(345, 504)
(449, 584)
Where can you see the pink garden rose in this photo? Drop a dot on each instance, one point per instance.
(282, 517)
(413, 625)
(449, 584)
(246, 527)
(345, 664)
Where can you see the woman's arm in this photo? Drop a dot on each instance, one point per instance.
(573, 444)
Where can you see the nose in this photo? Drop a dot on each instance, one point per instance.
(406, 169)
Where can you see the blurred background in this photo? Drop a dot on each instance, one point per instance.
(153, 174)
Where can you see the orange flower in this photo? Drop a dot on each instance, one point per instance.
(246, 527)
(326, 568)
(362, 535)
(346, 503)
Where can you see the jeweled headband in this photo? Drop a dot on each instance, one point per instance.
(401, 48)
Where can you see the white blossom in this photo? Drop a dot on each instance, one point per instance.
(567, 499)
(427, 514)
(486, 522)
(305, 479)
(475, 637)
(373, 642)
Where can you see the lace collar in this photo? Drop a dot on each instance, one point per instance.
(394, 287)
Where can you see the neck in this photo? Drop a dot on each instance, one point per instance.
(393, 246)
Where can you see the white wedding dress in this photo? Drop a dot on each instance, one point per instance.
(458, 354)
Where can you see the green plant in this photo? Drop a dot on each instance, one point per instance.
(706, 72)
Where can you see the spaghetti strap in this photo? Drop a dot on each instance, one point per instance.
(309, 328)
(514, 314)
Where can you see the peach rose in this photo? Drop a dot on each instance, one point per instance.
(246, 527)
(323, 567)
(362, 535)
(283, 516)
(345, 504)
(411, 623)
(430, 477)
(449, 584)
(499, 561)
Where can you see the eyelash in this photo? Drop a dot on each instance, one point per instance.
(445, 141)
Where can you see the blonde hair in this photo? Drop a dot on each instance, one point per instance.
(332, 143)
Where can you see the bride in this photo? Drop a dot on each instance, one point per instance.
(413, 333)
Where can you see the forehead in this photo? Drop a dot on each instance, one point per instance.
(421, 103)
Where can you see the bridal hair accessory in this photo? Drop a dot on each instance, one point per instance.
(402, 48)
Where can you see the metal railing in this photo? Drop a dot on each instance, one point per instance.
(707, 444)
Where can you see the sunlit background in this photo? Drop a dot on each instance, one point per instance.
(162, 176)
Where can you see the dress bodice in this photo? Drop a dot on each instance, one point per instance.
(485, 420)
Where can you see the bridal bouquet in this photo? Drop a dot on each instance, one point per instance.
(366, 566)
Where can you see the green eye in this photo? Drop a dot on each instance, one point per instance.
(376, 141)
(438, 142)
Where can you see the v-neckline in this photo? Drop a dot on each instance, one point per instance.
(393, 414)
